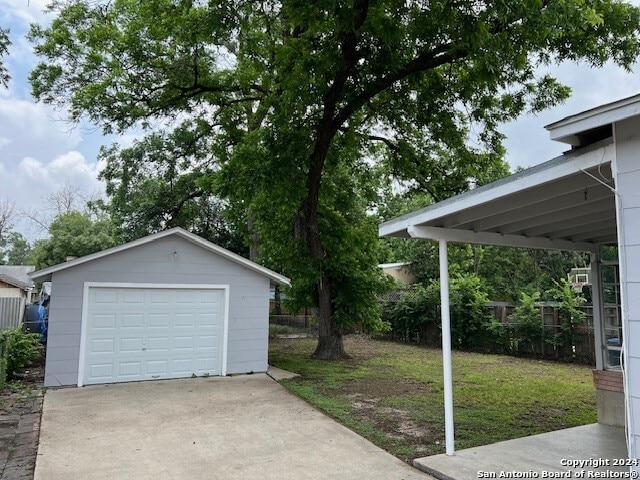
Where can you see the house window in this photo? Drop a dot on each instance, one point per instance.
(611, 310)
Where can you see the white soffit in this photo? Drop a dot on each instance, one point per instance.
(554, 205)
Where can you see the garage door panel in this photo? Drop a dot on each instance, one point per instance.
(184, 365)
(102, 322)
(159, 320)
(155, 367)
(129, 369)
(183, 343)
(105, 296)
(185, 320)
(132, 320)
(208, 320)
(133, 296)
(101, 371)
(207, 364)
(131, 344)
(208, 342)
(160, 297)
(102, 346)
(148, 333)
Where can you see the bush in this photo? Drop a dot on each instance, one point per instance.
(526, 325)
(470, 317)
(416, 316)
(19, 350)
(569, 315)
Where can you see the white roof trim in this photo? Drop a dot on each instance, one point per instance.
(488, 238)
(567, 129)
(195, 239)
(557, 168)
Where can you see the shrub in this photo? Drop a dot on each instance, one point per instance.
(20, 349)
(415, 316)
(470, 317)
(569, 315)
(526, 326)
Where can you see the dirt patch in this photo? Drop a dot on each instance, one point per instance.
(397, 425)
(367, 399)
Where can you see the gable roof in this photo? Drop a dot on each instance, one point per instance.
(17, 275)
(45, 274)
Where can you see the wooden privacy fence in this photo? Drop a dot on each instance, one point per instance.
(11, 312)
(582, 349)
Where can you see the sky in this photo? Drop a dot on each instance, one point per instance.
(40, 152)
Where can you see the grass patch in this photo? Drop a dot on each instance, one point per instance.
(392, 393)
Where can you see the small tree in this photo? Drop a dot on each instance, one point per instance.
(469, 313)
(570, 316)
(526, 326)
(73, 234)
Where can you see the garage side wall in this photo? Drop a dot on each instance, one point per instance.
(169, 260)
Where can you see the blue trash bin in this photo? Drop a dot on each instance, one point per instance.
(614, 355)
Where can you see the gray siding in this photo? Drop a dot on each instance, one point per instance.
(155, 262)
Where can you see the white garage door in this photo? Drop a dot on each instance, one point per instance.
(152, 333)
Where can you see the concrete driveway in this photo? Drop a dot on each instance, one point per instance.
(243, 427)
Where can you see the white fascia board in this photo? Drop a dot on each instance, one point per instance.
(488, 238)
(553, 170)
(45, 274)
(567, 129)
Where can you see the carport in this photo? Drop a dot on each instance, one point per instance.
(579, 201)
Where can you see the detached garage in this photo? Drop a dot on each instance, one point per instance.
(169, 305)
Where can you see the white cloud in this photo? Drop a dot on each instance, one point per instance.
(528, 141)
(23, 11)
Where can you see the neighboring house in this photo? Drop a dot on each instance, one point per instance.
(168, 305)
(400, 271)
(15, 293)
(581, 201)
(15, 281)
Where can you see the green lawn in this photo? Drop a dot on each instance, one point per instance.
(392, 393)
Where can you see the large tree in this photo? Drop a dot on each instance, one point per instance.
(303, 97)
(4, 50)
(157, 183)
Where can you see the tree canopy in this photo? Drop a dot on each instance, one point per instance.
(72, 234)
(4, 50)
(305, 105)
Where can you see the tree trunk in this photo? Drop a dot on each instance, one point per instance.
(330, 345)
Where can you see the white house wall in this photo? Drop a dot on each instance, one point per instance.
(156, 262)
(627, 180)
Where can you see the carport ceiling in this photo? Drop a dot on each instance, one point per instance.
(566, 203)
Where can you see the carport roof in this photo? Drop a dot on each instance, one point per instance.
(45, 274)
(567, 203)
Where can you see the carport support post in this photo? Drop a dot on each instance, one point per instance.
(446, 348)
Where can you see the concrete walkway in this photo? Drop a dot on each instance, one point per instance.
(590, 448)
(243, 427)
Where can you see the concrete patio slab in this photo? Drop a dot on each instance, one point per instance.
(596, 446)
(279, 374)
(242, 427)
